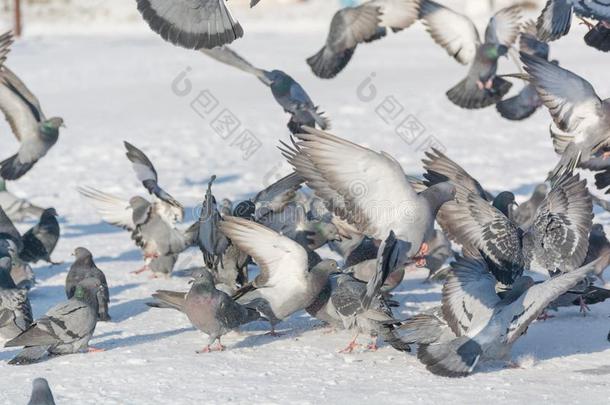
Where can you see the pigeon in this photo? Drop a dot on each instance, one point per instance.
(581, 120)
(211, 241)
(527, 101)
(84, 267)
(288, 93)
(474, 323)
(351, 26)
(353, 181)
(17, 208)
(557, 239)
(360, 305)
(599, 248)
(40, 241)
(582, 295)
(152, 227)
(556, 19)
(36, 133)
(192, 24)
(41, 393)
(458, 35)
(286, 283)
(65, 329)
(211, 311)
(147, 174)
(10, 238)
(15, 309)
(524, 213)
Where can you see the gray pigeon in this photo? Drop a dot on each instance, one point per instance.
(474, 323)
(458, 35)
(556, 240)
(351, 26)
(84, 267)
(36, 133)
(66, 328)
(17, 208)
(599, 248)
(581, 120)
(147, 174)
(361, 307)
(15, 309)
(286, 283)
(556, 19)
(211, 241)
(353, 188)
(40, 241)
(209, 310)
(527, 101)
(41, 393)
(152, 227)
(192, 24)
(289, 94)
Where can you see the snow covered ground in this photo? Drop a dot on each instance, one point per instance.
(117, 85)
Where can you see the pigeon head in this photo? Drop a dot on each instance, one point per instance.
(597, 230)
(504, 202)
(244, 209)
(49, 212)
(439, 194)
(50, 127)
(275, 76)
(203, 280)
(327, 267)
(81, 253)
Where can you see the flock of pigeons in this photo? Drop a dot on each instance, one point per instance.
(365, 208)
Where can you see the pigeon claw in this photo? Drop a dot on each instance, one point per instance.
(141, 270)
(350, 347)
(544, 316)
(589, 24)
(95, 350)
(372, 346)
(584, 308)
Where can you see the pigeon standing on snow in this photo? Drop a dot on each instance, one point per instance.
(351, 180)
(36, 133)
(66, 328)
(474, 323)
(289, 94)
(15, 309)
(556, 19)
(581, 120)
(40, 241)
(351, 26)
(84, 267)
(211, 311)
(527, 101)
(192, 24)
(458, 35)
(286, 283)
(17, 208)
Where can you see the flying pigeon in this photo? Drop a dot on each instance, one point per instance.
(557, 239)
(41, 393)
(40, 241)
(66, 328)
(351, 26)
(288, 93)
(580, 118)
(147, 174)
(527, 101)
(15, 309)
(17, 208)
(458, 35)
(36, 133)
(84, 267)
(286, 283)
(192, 24)
(353, 180)
(474, 323)
(152, 227)
(211, 311)
(556, 19)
